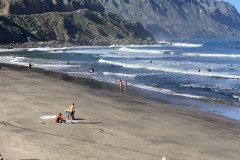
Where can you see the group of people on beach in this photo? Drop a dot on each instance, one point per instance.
(119, 85)
(70, 115)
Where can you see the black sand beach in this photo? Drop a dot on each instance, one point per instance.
(109, 126)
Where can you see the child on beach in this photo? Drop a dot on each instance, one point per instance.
(59, 118)
(67, 113)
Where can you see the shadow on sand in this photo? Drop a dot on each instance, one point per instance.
(87, 122)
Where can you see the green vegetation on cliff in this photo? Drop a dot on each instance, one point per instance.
(87, 24)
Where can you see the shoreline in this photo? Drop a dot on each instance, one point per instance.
(109, 126)
(212, 107)
(58, 44)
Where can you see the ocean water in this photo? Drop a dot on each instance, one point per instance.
(171, 69)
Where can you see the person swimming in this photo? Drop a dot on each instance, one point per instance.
(91, 70)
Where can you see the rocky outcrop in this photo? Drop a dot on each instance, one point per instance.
(180, 18)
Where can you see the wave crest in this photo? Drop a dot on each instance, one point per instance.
(186, 45)
(125, 49)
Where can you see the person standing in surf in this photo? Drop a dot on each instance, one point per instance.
(30, 66)
(119, 85)
(76, 68)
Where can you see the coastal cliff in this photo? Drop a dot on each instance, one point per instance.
(26, 7)
(180, 18)
(80, 22)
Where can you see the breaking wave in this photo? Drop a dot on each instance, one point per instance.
(125, 49)
(212, 55)
(166, 91)
(119, 74)
(189, 72)
(186, 45)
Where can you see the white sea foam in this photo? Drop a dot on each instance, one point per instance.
(173, 70)
(172, 53)
(119, 64)
(191, 85)
(212, 55)
(45, 49)
(6, 59)
(166, 91)
(12, 50)
(120, 74)
(18, 59)
(186, 45)
(237, 97)
(125, 49)
(191, 72)
(51, 66)
(115, 46)
(194, 86)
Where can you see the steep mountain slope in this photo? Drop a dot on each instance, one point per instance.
(23, 7)
(84, 25)
(180, 18)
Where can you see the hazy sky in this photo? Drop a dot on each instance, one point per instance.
(236, 3)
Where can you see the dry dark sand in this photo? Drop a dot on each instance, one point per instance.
(113, 127)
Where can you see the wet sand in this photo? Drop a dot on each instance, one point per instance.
(109, 126)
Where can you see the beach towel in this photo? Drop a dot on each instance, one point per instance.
(49, 117)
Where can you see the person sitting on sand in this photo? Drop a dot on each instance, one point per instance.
(59, 118)
(71, 112)
(1, 158)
